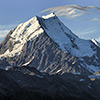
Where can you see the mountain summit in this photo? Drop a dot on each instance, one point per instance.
(48, 45)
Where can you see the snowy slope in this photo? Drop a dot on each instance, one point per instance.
(66, 39)
(23, 33)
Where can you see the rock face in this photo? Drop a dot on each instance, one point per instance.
(16, 85)
(49, 46)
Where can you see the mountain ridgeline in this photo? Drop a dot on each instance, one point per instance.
(49, 46)
(43, 50)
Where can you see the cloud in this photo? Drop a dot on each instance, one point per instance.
(96, 19)
(74, 11)
(4, 29)
(69, 11)
(88, 31)
(3, 33)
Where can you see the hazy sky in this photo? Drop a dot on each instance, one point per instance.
(13, 12)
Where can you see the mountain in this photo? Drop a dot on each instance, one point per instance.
(42, 59)
(46, 44)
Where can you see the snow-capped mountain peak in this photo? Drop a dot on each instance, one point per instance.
(24, 30)
(45, 42)
(54, 28)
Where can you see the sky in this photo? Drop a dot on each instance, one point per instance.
(14, 12)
